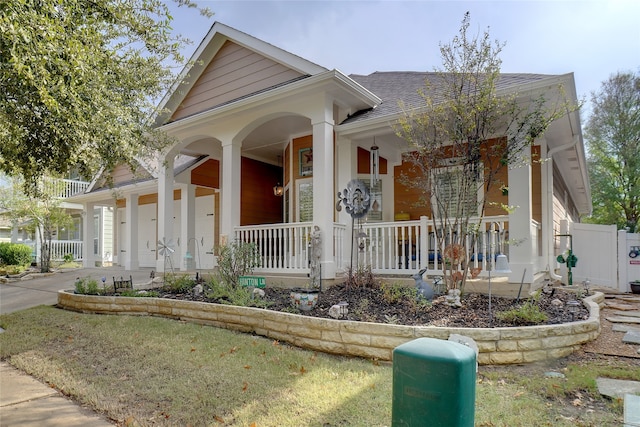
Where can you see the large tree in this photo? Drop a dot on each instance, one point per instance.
(79, 82)
(449, 136)
(612, 134)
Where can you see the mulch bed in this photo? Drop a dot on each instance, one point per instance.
(373, 305)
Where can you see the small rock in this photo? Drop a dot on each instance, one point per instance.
(257, 292)
(552, 374)
(453, 298)
(197, 290)
(336, 311)
(557, 303)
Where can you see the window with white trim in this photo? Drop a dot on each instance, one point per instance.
(452, 200)
(305, 200)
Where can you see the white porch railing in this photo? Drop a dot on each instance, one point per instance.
(400, 247)
(388, 247)
(65, 188)
(284, 248)
(60, 248)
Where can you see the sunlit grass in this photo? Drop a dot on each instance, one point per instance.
(155, 371)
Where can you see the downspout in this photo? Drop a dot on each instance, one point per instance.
(551, 259)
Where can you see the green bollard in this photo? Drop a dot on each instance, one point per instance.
(434, 384)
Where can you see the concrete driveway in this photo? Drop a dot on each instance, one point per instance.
(43, 289)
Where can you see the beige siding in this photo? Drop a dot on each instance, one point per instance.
(563, 207)
(233, 73)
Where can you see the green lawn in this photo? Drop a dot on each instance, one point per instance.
(155, 371)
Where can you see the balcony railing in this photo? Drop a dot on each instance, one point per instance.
(64, 188)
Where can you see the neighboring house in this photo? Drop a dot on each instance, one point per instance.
(65, 240)
(267, 139)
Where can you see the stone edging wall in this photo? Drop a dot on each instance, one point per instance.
(363, 339)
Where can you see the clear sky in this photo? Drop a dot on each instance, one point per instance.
(593, 39)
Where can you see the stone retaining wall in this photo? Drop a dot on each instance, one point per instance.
(370, 340)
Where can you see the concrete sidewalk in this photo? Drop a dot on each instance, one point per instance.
(25, 401)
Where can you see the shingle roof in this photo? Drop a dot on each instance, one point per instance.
(394, 87)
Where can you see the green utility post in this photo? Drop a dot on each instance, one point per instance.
(571, 259)
(434, 384)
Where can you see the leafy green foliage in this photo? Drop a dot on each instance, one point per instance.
(178, 283)
(80, 80)
(15, 254)
(87, 286)
(237, 259)
(224, 293)
(612, 134)
(528, 313)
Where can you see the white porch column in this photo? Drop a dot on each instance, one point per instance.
(14, 232)
(165, 210)
(88, 257)
(188, 223)
(324, 194)
(230, 204)
(347, 168)
(521, 253)
(131, 233)
(546, 178)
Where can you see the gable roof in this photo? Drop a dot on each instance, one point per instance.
(395, 87)
(218, 38)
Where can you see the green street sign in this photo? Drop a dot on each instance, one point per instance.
(253, 282)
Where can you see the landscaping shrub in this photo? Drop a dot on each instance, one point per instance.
(178, 284)
(87, 286)
(527, 314)
(224, 293)
(15, 254)
(237, 259)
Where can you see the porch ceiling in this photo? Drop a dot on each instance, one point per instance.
(267, 141)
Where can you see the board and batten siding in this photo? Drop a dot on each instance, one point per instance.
(233, 73)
